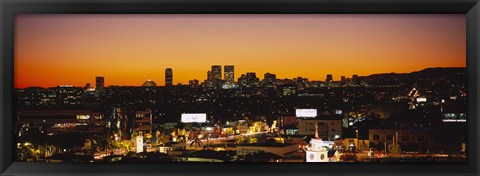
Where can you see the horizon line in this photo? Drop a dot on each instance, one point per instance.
(181, 83)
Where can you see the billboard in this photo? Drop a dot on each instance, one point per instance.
(421, 100)
(139, 144)
(306, 112)
(194, 118)
(338, 112)
(454, 117)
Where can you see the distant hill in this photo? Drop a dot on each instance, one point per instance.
(456, 73)
(439, 72)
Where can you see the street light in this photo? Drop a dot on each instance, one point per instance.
(356, 142)
(356, 131)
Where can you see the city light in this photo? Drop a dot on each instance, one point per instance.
(226, 96)
(194, 117)
(306, 112)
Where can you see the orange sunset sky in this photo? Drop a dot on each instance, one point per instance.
(54, 49)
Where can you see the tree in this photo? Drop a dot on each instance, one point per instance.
(252, 140)
(134, 135)
(161, 138)
(49, 150)
(262, 156)
(394, 149)
(246, 140)
(241, 140)
(36, 153)
(196, 142)
(24, 153)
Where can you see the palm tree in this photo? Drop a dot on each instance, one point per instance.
(24, 153)
(36, 153)
(395, 149)
(49, 150)
(134, 135)
(241, 140)
(196, 142)
(252, 140)
(125, 145)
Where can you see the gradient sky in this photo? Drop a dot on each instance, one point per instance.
(53, 50)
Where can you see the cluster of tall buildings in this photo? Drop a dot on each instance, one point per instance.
(250, 79)
(215, 79)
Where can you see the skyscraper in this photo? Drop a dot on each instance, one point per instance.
(229, 74)
(269, 79)
(248, 80)
(214, 77)
(343, 79)
(217, 72)
(209, 81)
(329, 78)
(99, 82)
(193, 83)
(168, 77)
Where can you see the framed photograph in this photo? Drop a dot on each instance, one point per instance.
(207, 87)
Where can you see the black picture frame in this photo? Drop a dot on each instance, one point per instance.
(10, 8)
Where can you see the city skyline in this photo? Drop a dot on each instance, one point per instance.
(260, 76)
(73, 49)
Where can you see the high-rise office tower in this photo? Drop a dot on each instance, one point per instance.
(168, 77)
(209, 75)
(193, 83)
(214, 76)
(209, 82)
(329, 78)
(248, 80)
(217, 72)
(269, 79)
(229, 74)
(99, 82)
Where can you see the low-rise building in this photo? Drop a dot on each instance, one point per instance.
(351, 144)
(52, 122)
(405, 136)
(275, 148)
(143, 122)
(329, 128)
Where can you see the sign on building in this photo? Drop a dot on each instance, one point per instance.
(194, 118)
(139, 142)
(306, 112)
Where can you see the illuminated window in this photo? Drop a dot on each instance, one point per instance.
(84, 117)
